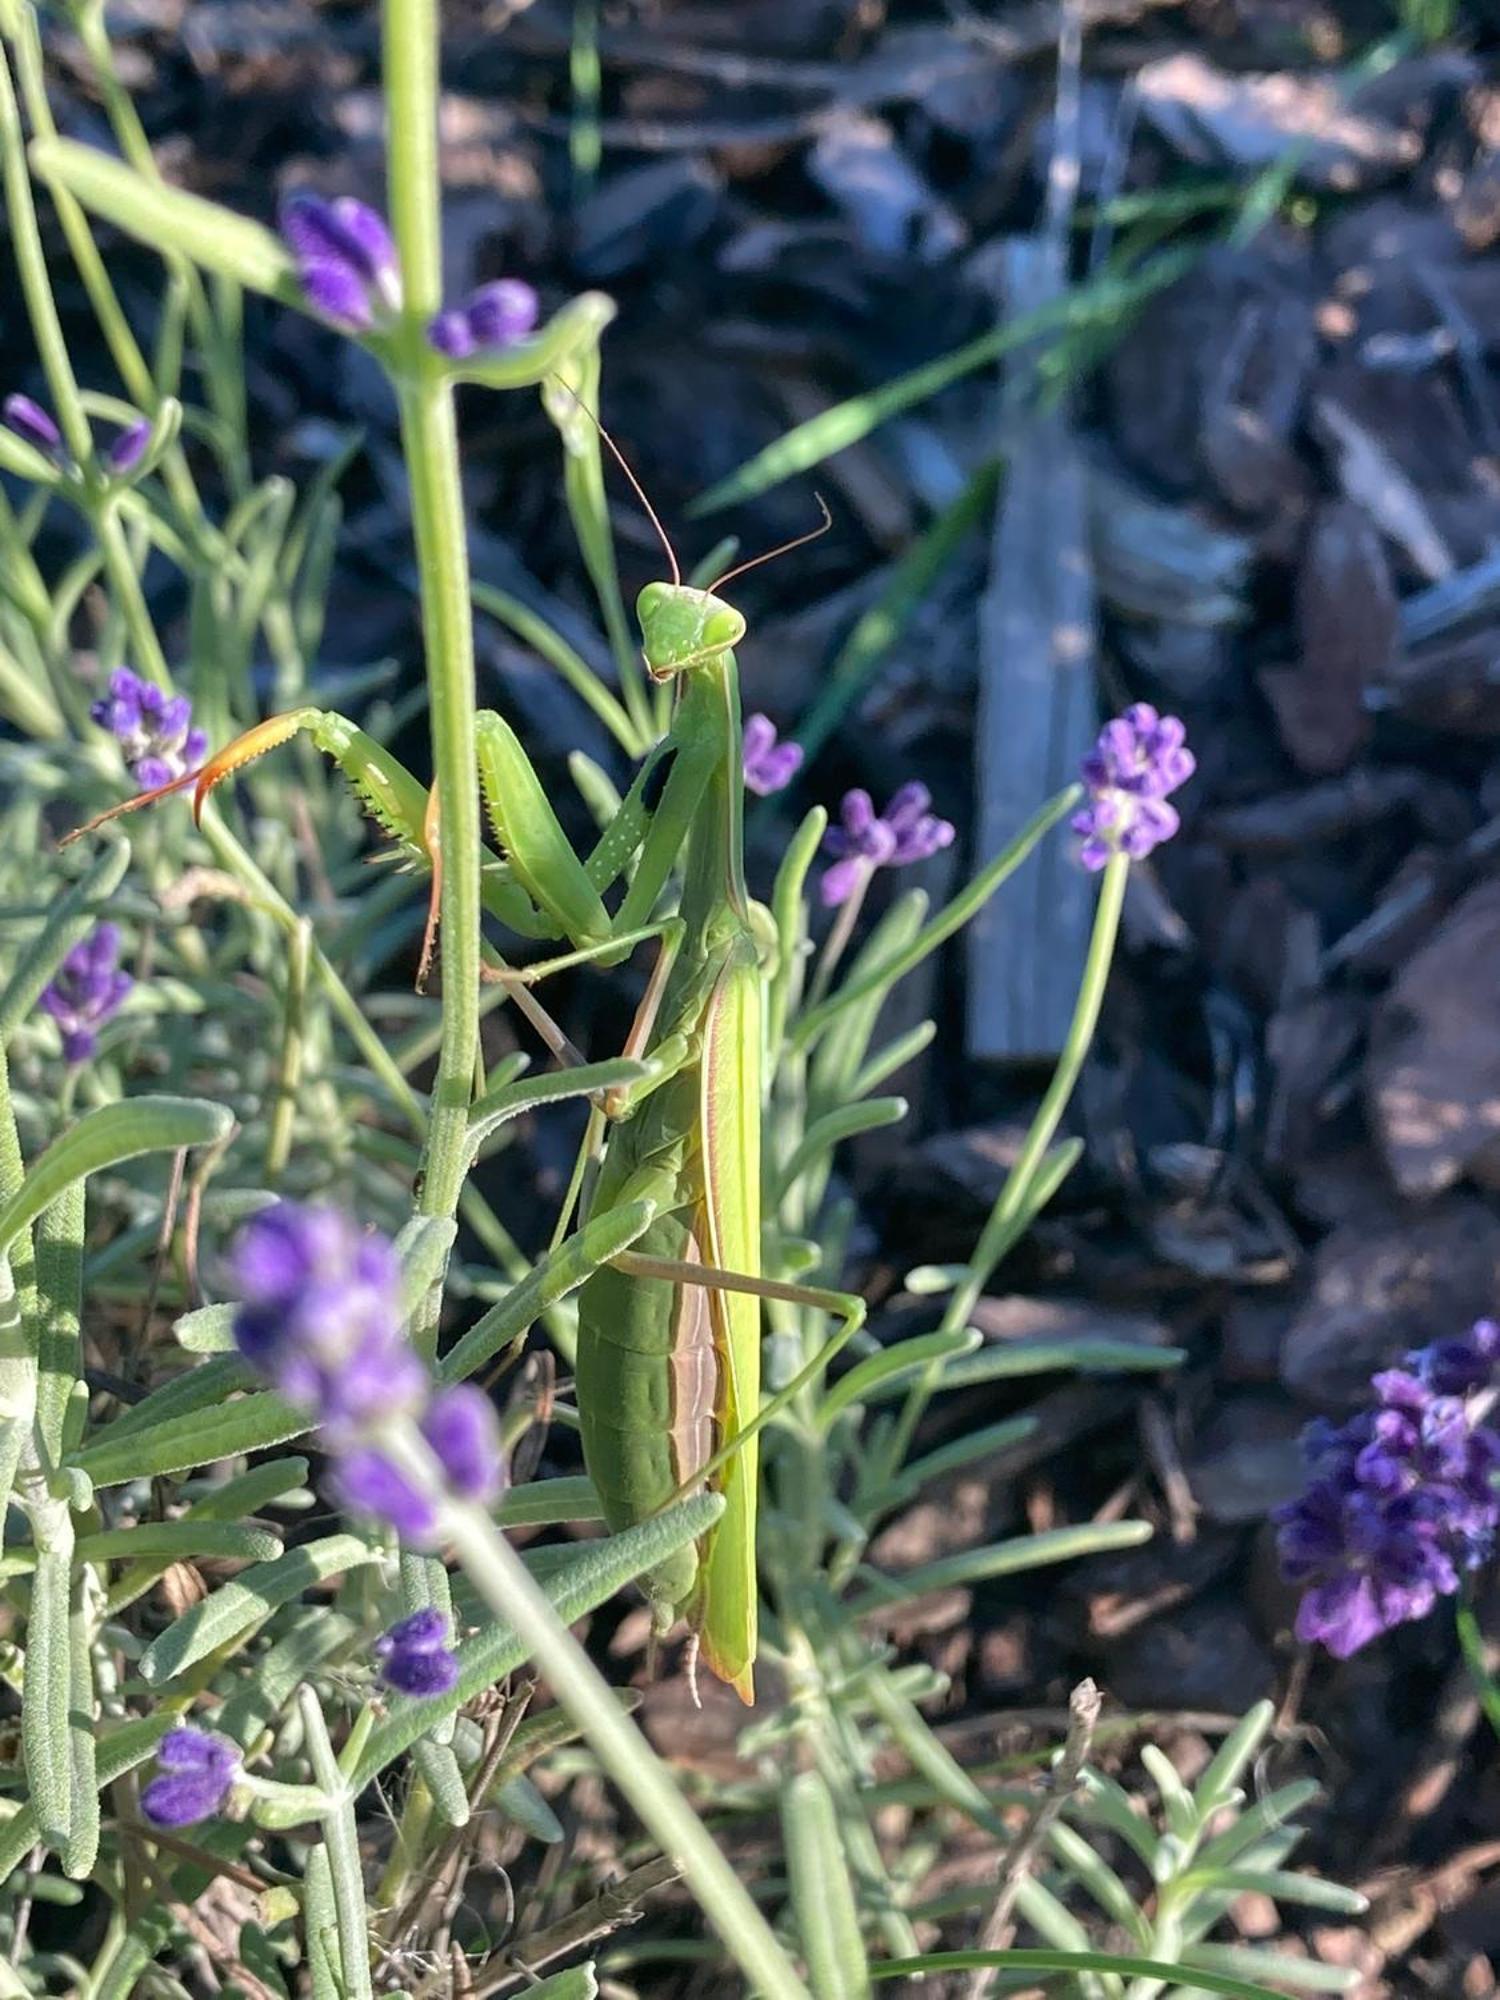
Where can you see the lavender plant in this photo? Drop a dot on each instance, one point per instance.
(305, 1232)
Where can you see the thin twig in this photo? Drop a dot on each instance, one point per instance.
(1083, 1714)
(614, 1906)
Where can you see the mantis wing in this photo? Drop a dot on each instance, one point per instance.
(726, 1611)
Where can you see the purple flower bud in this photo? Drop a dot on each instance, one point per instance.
(415, 1658)
(463, 1432)
(153, 729)
(86, 991)
(1139, 758)
(769, 766)
(198, 1771)
(907, 831)
(502, 312)
(30, 421)
(1401, 1502)
(321, 1318)
(129, 448)
(497, 315)
(368, 1483)
(345, 258)
(451, 334)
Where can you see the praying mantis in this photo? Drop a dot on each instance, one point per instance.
(668, 1352)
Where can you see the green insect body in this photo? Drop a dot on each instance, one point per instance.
(670, 1372)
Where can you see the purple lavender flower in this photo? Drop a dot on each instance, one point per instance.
(198, 1771)
(1139, 758)
(1401, 1501)
(153, 728)
(497, 315)
(321, 1318)
(769, 766)
(367, 1483)
(87, 990)
(415, 1658)
(346, 259)
(463, 1434)
(30, 421)
(129, 448)
(906, 831)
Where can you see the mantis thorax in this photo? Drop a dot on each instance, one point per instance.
(682, 627)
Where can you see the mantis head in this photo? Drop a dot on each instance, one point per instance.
(682, 627)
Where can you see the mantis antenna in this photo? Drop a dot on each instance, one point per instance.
(782, 548)
(636, 486)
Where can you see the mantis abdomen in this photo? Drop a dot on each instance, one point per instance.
(647, 1386)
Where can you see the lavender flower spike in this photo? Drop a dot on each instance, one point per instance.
(87, 990)
(198, 1771)
(321, 1320)
(154, 729)
(497, 315)
(415, 1658)
(906, 831)
(346, 259)
(1139, 758)
(30, 421)
(770, 766)
(1401, 1501)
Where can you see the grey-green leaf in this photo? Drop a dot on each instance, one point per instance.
(237, 1607)
(105, 1138)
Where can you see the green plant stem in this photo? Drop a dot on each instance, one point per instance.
(31, 264)
(429, 438)
(341, 1841)
(999, 1232)
(509, 1589)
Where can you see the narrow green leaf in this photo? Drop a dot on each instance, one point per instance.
(105, 1138)
(822, 1895)
(521, 1802)
(443, 1779)
(545, 1502)
(578, 1982)
(82, 1847)
(59, 1294)
(206, 1330)
(1284, 1884)
(1104, 301)
(1271, 1813)
(1222, 1775)
(169, 219)
(1245, 1962)
(199, 1437)
(214, 1382)
(849, 1121)
(1078, 1354)
(47, 1692)
(561, 1271)
(497, 1106)
(180, 1541)
(1064, 1961)
(882, 1374)
(1000, 1559)
(423, 1246)
(237, 1607)
(591, 1575)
